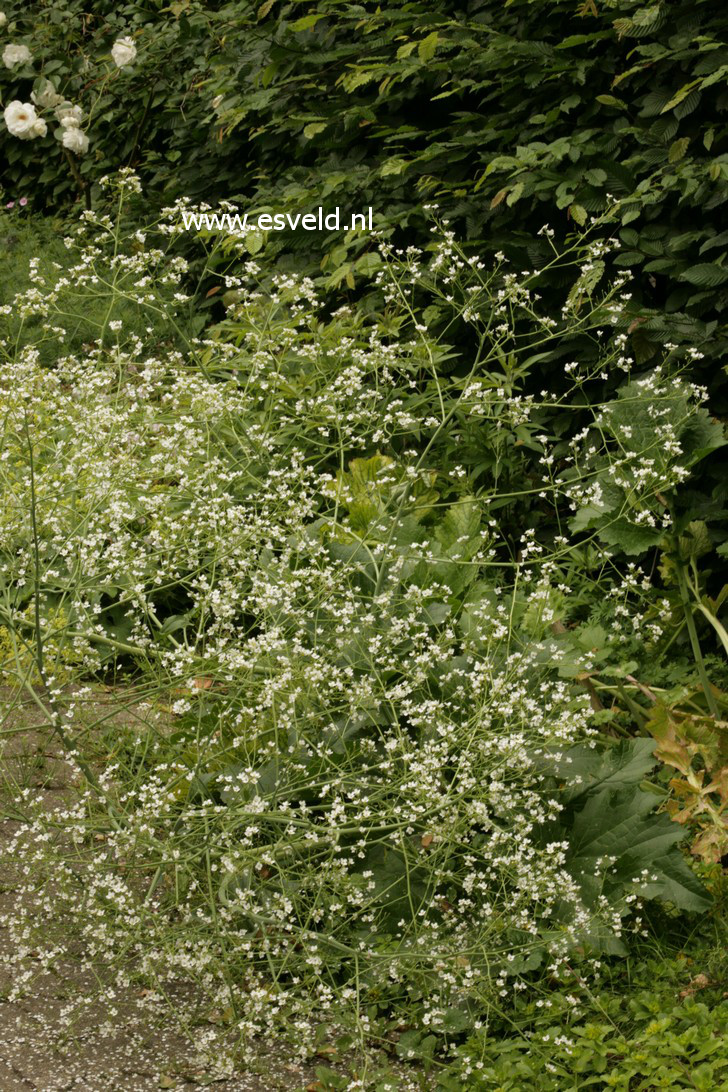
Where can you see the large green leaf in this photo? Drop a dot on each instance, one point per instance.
(617, 845)
(591, 768)
(706, 275)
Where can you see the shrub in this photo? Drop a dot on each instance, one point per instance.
(511, 117)
(379, 794)
(507, 115)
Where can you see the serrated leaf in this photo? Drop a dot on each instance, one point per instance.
(621, 827)
(705, 275)
(393, 166)
(612, 100)
(702, 435)
(679, 884)
(313, 128)
(307, 21)
(678, 149)
(405, 50)
(461, 522)
(426, 48)
(695, 540)
(714, 241)
(587, 769)
(679, 96)
(628, 537)
(586, 283)
(515, 194)
(578, 214)
(253, 242)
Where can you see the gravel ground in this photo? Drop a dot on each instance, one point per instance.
(139, 1051)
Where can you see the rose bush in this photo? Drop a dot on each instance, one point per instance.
(21, 118)
(514, 115)
(126, 70)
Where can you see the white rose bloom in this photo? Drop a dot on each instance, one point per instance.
(20, 117)
(47, 97)
(39, 128)
(3, 18)
(14, 55)
(68, 110)
(123, 51)
(70, 121)
(75, 140)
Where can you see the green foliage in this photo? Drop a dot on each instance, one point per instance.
(617, 847)
(39, 259)
(626, 442)
(128, 113)
(507, 115)
(599, 119)
(23, 238)
(375, 804)
(660, 1022)
(382, 565)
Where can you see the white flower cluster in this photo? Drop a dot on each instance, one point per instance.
(22, 119)
(355, 803)
(73, 137)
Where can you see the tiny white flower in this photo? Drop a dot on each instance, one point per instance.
(75, 140)
(3, 18)
(20, 118)
(47, 97)
(39, 128)
(123, 52)
(14, 55)
(70, 121)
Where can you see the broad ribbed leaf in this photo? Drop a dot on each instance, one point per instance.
(617, 845)
(705, 275)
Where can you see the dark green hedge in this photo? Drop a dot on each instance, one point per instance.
(508, 115)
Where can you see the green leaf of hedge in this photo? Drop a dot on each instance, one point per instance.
(426, 48)
(705, 275)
